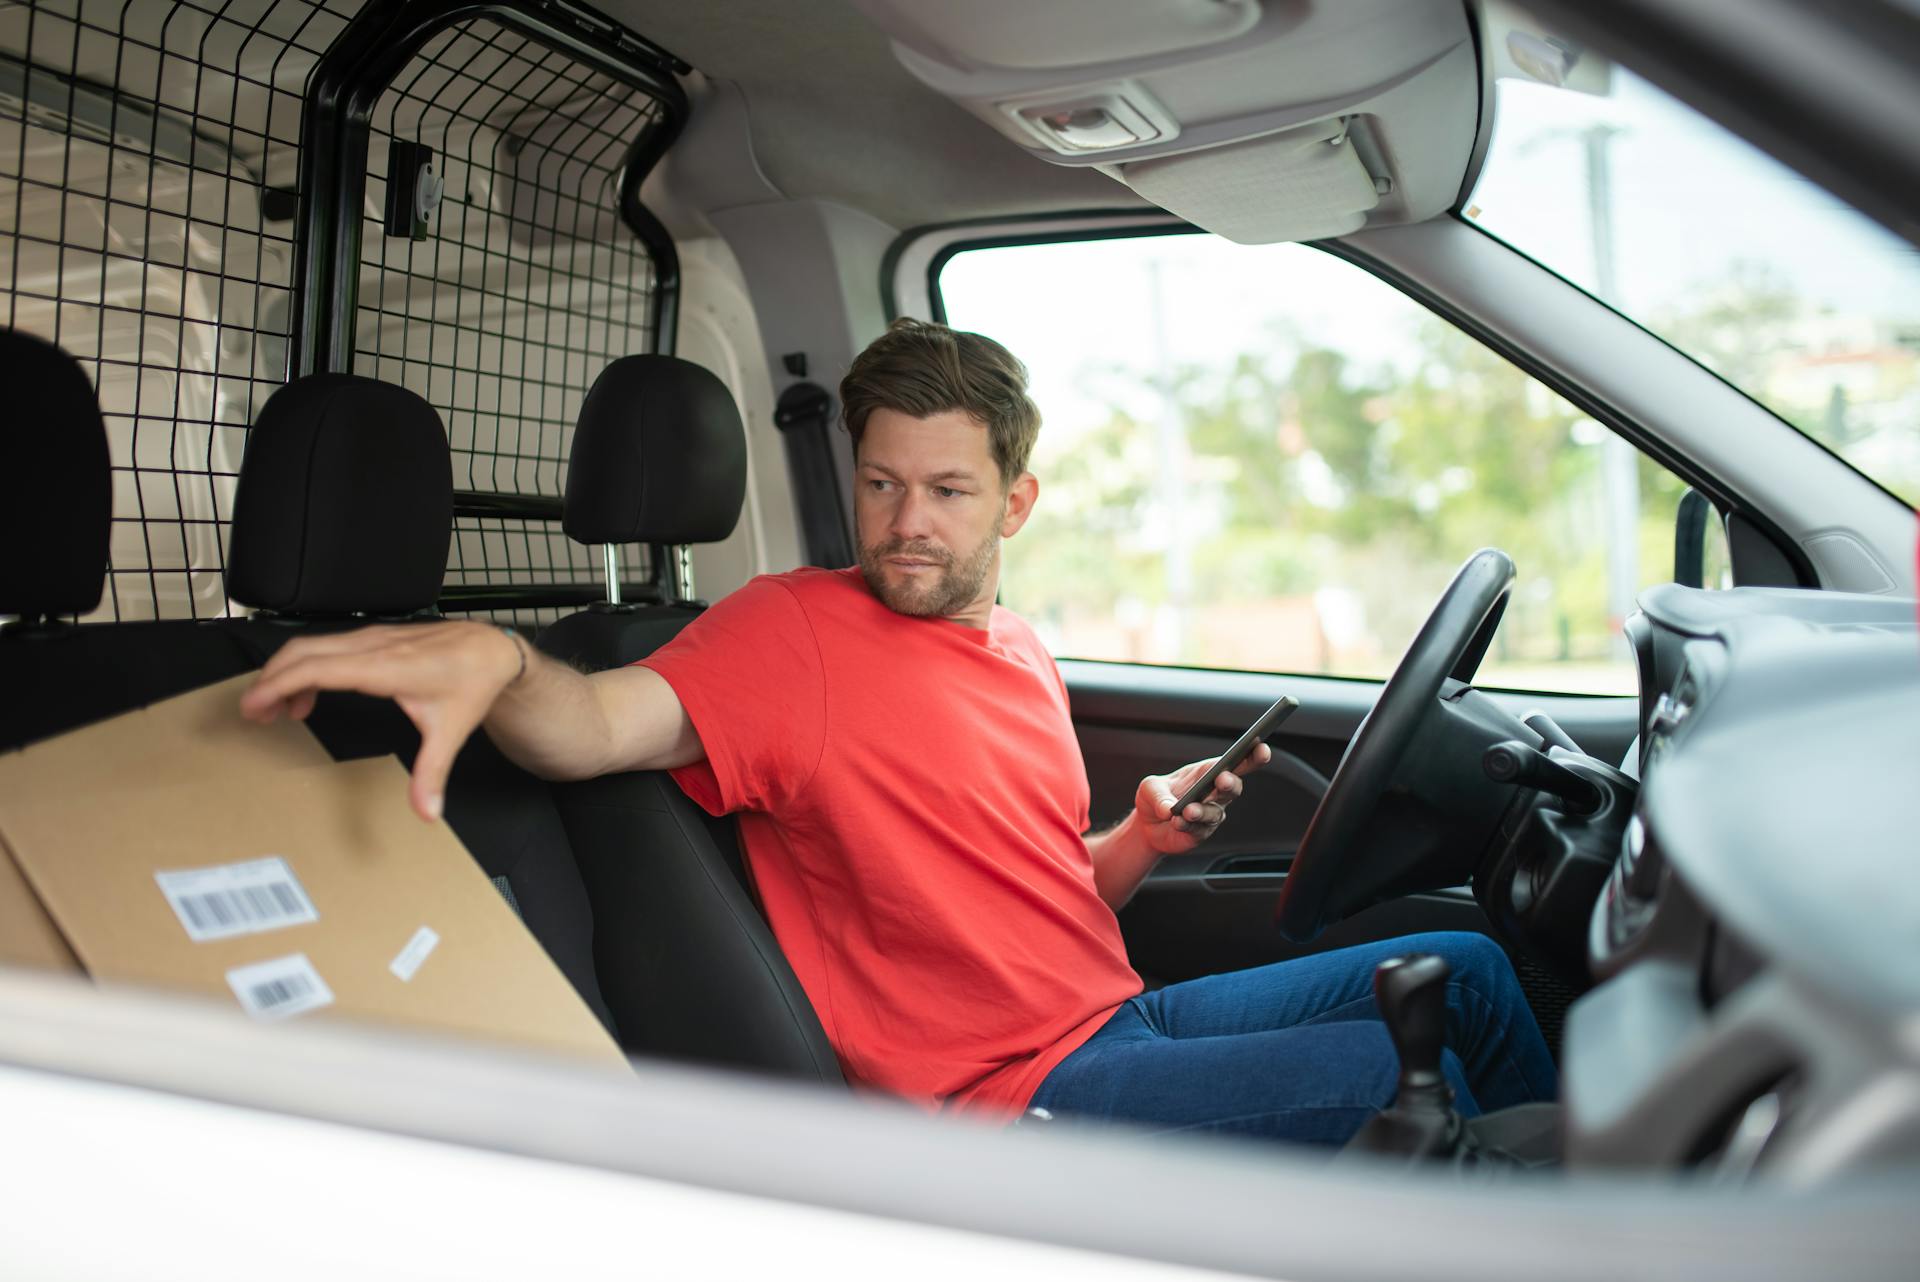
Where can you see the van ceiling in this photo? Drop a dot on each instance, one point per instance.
(918, 132)
(836, 117)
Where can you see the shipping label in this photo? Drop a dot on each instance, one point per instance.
(280, 987)
(237, 899)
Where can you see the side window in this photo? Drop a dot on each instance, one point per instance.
(1264, 458)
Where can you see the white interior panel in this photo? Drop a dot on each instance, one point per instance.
(717, 332)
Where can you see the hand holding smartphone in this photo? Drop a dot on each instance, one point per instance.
(1230, 759)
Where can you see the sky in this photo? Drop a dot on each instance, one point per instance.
(1688, 197)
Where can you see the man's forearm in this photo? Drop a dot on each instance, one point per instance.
(548, 720)
(1121, 861)
(559, 724)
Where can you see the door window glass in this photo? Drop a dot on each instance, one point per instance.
(1264, 458)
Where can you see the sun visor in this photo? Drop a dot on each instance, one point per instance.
(1223, 114)
(1304, 184)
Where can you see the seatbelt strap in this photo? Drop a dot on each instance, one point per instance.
(804, 416)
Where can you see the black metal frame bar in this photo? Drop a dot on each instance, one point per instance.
(334, 136)
(346, 85)
(476, 598)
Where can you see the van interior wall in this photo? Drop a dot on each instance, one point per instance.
(814, 271)
(718, 331)
(811, 268)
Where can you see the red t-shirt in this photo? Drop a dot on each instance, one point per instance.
(912, 807)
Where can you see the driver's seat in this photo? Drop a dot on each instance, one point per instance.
(681, 951)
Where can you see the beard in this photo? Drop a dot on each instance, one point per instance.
(957, 584)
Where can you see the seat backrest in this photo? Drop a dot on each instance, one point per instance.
(659, 456)
(56, 511)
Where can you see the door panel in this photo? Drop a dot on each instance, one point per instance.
(1213, 910)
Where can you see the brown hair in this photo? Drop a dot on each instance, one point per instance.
(922, 369)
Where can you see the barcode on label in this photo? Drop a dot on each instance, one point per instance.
(278, 988)
(237, 899)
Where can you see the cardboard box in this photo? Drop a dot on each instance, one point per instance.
(198, 735)
(28, 936)
(239, 867)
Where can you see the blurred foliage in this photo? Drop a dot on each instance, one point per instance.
(1322, 505)
(1306, 472)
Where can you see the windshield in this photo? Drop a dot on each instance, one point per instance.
(1799, 301)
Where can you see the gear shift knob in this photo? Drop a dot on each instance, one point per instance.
(1412, 995)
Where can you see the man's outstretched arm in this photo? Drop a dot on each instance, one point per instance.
(450, 678)
(1124, 854)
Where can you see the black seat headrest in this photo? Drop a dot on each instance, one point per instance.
(659, 456)
(345, 502)
(57, 516)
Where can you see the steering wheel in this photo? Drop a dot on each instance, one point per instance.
(1376, 831)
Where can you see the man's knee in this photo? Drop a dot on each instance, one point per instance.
(1374, 1072)
(1474, 959)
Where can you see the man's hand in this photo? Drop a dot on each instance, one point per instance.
(445, 677)
(1169, 834)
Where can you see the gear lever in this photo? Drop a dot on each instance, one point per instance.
(1412, 995)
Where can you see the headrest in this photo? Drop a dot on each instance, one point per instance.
(57, 514)
(345, 503)
(659, 456)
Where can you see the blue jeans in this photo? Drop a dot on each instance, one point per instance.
(1296, 1050)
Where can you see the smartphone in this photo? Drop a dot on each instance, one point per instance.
(1269, 721)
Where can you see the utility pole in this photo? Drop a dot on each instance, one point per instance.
(1619, 460)
(1170, 484)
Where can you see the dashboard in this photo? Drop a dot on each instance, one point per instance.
(1757, 940)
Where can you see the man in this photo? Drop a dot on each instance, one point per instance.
(913, 804)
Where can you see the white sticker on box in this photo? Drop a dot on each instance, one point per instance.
(424, 941)
(237, 899)
(281, 987)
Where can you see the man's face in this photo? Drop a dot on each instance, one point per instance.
(931, 512)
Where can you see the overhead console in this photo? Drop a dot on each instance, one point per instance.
(1260, 120)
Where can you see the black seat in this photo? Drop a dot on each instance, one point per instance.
(660, 457)
(343, 512)
(55, 523)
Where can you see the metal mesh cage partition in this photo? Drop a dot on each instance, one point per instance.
(525, 285)
(148, 164)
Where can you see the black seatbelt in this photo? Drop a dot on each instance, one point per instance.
(804, 416)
